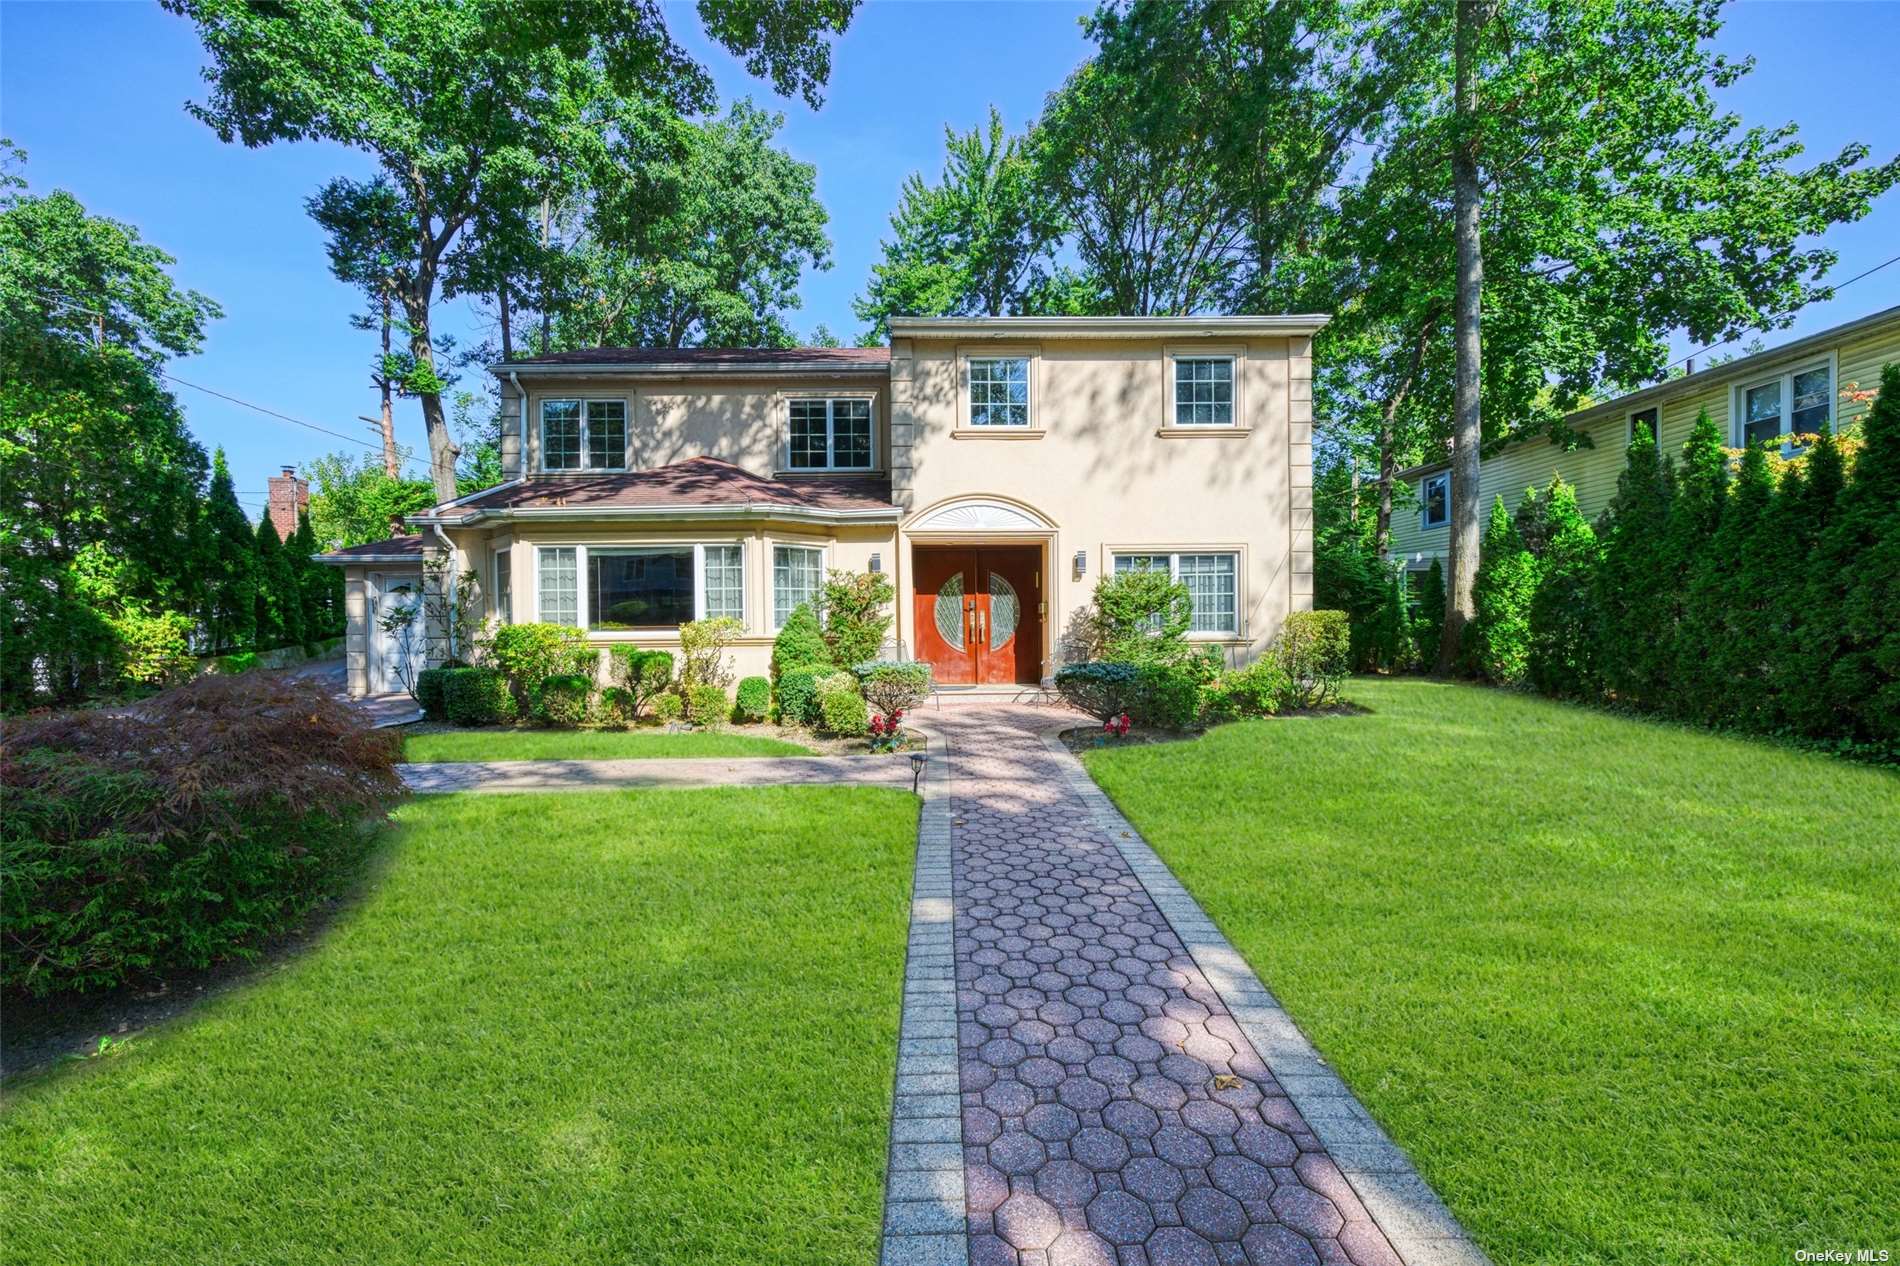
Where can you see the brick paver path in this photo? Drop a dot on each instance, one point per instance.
(1114, 1114)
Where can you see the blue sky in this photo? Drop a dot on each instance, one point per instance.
(95, 93)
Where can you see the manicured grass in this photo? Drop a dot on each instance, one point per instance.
(465, 745)
(646, 1026)
(1628, 993)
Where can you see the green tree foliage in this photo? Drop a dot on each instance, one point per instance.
(1349, 576)
(1428, 625)
(230, 606)
(1810, 596)
(1563, 636)
(279, 591)
(94, 454)
(855, 610)
(353, 501)
(1499, 638)
(979, 242)
(1730, 630)
(1702, 478)
(321, 586)
(703, 243)
(801, 643)
(1863, 543)
(1635, 583)
(478, 108)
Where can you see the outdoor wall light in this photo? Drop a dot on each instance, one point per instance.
(1081, 563)
(877, 563)
(916, 770)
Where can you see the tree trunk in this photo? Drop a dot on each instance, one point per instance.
(1467, 428)
(507, 334)
(435, 423)
(392, 460)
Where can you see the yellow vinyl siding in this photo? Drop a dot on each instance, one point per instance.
(1593, 471)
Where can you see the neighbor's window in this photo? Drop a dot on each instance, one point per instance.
(999, 391)
(1203, 391)
(639, 588)
(504, 587)
(1212, 580)
(593, 430)
(829, 435)
(1794, 403)
(1435, 496)
(1645, 420)
(797, 572)
(557, 586)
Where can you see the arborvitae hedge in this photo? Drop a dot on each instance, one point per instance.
(1498, 642)
(1563, 633)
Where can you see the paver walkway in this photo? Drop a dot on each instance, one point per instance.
(1114, 1113)
(700, 771)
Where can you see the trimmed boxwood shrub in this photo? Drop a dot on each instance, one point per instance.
(563, 700)
(755, 699)
(843, 712)
(669, 707)
(707, 704)
(181, 832)
(1167, 696)
(797, 695)
(477, 696)
(801, 643)
(1315, 650)
(645, 674)
(531, 653)
(1261, 689)
(894, 685)
(615, 707)
(1101, 689)
(429, 691)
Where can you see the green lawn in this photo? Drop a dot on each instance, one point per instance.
(463, 745)
(643, 1026)
(1628, 993)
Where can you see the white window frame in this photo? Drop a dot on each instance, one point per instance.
(586, 456)
(584, 614)
(831, 404)
(1174, 385)
(1738, 398)
(967, 422)
(1174, 556)
(1655, 420)
(771, 572)
(1425, 501)
(505, 585)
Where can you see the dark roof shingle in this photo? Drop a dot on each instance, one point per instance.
(409, 546)
(697, 481)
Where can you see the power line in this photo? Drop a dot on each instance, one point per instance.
(1725, 342)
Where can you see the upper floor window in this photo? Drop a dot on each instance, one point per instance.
(1203, 391)
(999, 391)
(1646, 420)
(1434, 495)
(829, 435)
(583, 435)
(1794, 403)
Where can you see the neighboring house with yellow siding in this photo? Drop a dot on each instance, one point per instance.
(1783, 391)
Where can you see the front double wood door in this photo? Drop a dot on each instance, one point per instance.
(979, 613)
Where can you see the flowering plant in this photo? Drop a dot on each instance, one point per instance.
(1117, 727)
(885, 731)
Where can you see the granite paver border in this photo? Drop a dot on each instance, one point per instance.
(1416, 1222)
(923, 1191)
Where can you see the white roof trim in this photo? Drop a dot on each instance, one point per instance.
(1278, 326)
(699, 369)
(744, 510)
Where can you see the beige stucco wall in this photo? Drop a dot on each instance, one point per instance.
(1102, 467)
(740, 419)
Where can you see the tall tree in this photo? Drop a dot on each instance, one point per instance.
(370, 230)
(1862, 548)
(698, 236)
(1635, 585)
(230, 611)
(979, 242)
(355, 502)
(279, 599)
(462, 104)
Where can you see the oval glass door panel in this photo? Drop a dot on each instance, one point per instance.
(1005, 611)
(950, 612)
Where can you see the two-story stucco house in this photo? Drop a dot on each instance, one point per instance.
(1783, 391)
(994, 468)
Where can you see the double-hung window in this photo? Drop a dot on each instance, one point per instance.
(618, 588)
(797, 573)
(1646, 420)
(583, 435)
(1203, 391)
(999, 390)
(504, 586)
(1794, 403)
(1213, 585)
(829, 435)
(1434, 494)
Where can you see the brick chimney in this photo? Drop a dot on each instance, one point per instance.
(289, 497)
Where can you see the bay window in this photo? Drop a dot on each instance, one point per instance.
(639, 587)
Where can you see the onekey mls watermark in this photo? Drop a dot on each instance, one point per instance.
(1844, 1256)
